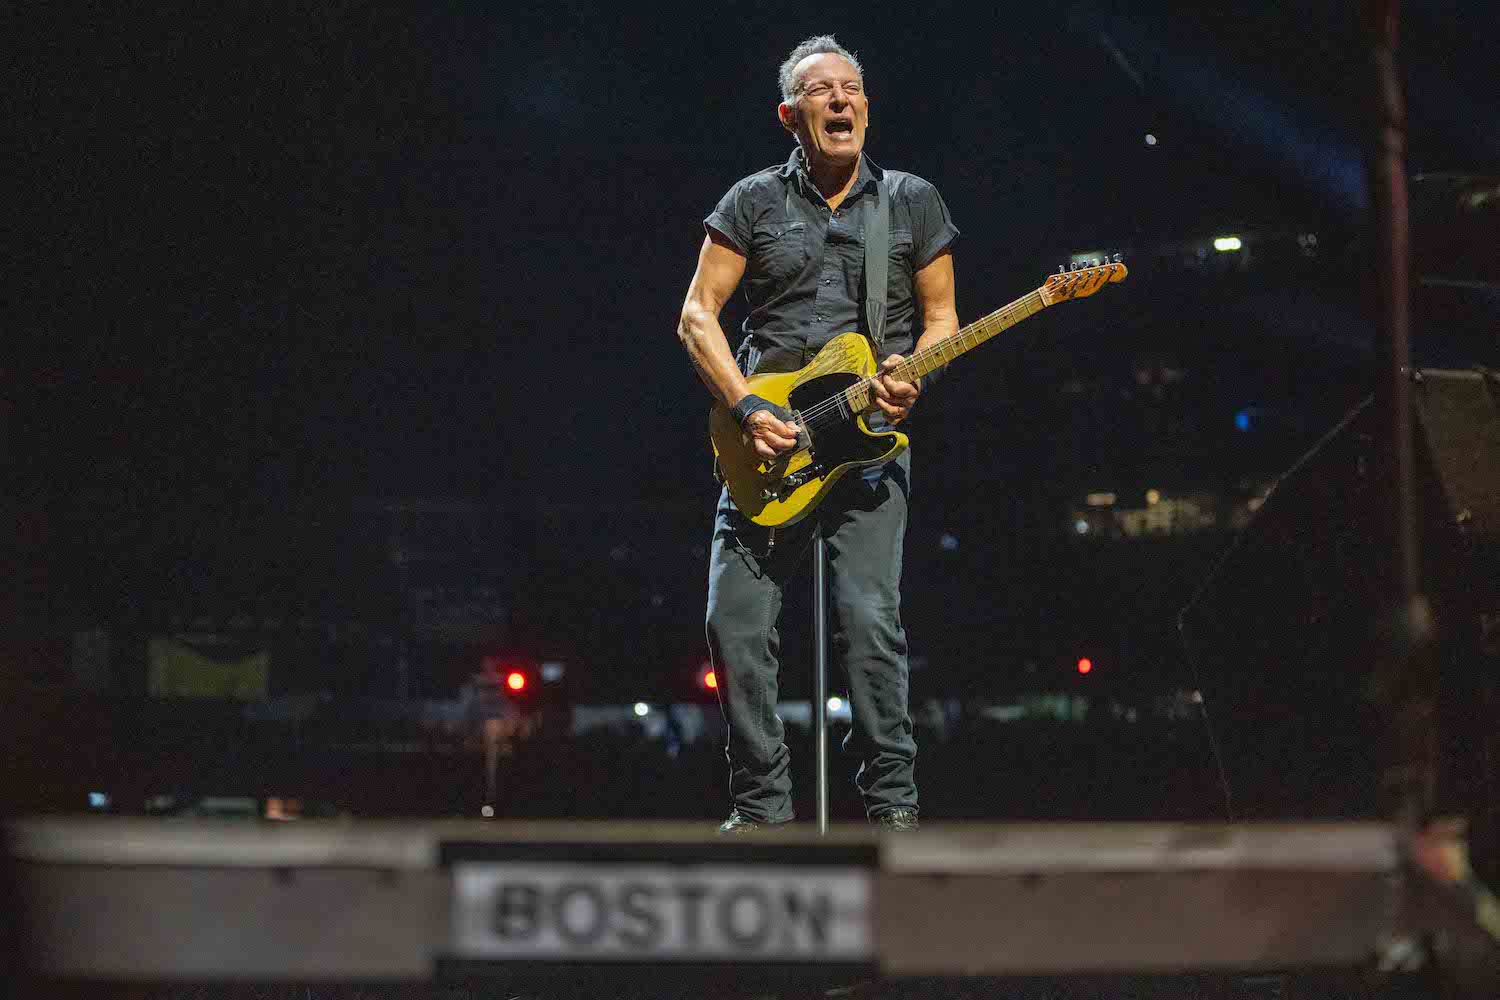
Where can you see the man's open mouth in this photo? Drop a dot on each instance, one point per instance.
(839, 126)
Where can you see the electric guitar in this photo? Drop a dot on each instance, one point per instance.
(831, 396)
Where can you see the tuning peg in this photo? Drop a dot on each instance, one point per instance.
(1060, 269)
(1117, 258)
(1095, 262)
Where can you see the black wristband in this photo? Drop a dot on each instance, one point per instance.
(741, 411)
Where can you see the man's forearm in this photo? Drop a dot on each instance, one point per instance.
(936, 332)
(708, 348)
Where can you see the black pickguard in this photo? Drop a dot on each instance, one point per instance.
(836, 438)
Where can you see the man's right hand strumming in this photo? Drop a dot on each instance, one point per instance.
(768, 434)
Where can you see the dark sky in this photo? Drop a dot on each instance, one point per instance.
(354, 251)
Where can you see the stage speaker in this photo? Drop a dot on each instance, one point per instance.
(1458, 417)
(1287, 631)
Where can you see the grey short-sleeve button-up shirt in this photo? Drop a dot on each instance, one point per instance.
(805, 264)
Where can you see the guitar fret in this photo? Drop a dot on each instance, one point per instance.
(861, 398)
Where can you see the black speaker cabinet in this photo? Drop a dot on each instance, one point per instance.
(1287, 630)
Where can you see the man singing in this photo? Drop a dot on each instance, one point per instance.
(796, 232)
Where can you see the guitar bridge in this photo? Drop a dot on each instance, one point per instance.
(788, 485)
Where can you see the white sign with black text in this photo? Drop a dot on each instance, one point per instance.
(653, 911)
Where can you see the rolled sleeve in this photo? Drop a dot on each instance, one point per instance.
(731, 219)
(933, 230)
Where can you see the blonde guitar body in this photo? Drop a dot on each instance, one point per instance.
(832, 396)
(786, 489)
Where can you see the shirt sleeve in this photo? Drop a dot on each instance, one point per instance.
(933, 230)
(731, 218)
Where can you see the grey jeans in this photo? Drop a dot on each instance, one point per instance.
(864, 523)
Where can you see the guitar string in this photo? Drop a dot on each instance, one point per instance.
(817, 416)
(824, 407)
(921, 357)
(1072, 278)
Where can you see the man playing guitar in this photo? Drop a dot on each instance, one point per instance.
(795, 234)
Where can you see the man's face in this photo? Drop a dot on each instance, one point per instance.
(829, 111)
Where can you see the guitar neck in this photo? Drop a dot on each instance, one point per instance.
(861, 398)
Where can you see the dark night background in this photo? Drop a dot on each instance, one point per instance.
(275, 278)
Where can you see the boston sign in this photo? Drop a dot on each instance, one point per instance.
(640, 910)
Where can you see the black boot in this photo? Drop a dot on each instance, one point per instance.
(738, 823)
(900, 820)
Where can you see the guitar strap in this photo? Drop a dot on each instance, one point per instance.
(877, 259)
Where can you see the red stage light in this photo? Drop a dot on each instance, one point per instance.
(515, 680)
(1085, 665)
(710, 681)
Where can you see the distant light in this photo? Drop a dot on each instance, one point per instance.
(949, 542)
(1150, 139)
(552, 671)
(515, 680)
(283, 810)
(710, 680)
(1226, 243)
(1242, 420)
(98, 800)
(835, 703)
(488, 812)
(1081, 526)
(1101, 499)
(1085, 665)
(1153, 497)
(642, 709)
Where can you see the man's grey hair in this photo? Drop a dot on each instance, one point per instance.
(816, 45)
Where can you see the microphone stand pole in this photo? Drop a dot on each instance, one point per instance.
(820, 671)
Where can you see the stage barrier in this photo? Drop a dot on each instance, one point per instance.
(128, 899)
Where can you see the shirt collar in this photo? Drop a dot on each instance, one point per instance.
(796, 166)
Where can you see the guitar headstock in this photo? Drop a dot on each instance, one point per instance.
(1082, 281)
